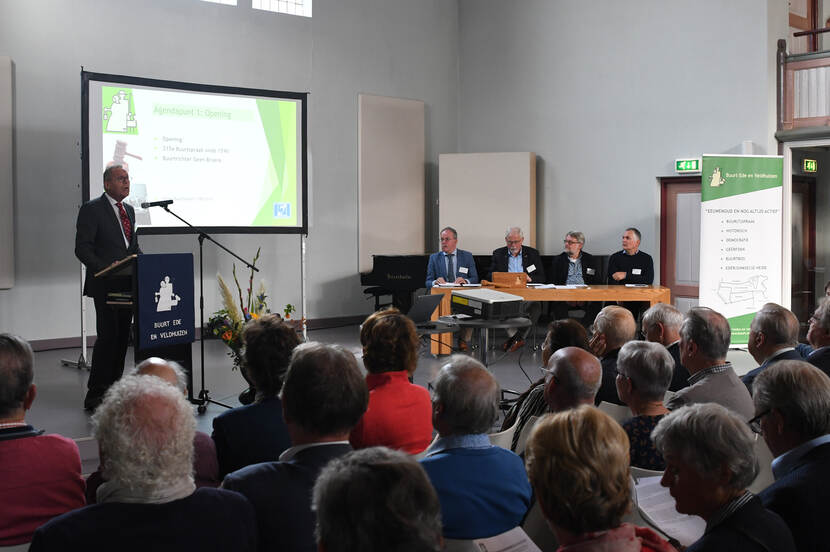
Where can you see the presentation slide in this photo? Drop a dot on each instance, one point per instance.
(231, 160)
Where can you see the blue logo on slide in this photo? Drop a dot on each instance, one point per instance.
(282, 210)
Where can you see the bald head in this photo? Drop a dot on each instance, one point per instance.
(617, 325)
(772, 328)
(576, 376)
(465, 397)
(168, 370)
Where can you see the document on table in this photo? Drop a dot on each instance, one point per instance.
(454, 285)
(657, 507)
(637, 285)
(554, 286)
(515, 540)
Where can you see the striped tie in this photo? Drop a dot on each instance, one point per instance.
(125, 222)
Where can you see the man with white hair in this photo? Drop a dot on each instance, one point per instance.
(661, 324)
(515, 257)
(773, 335)
(483, 489)
(144, 429)
(205, 464)
(614, 326)
(792, 412)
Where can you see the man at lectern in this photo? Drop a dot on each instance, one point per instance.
(105, 233)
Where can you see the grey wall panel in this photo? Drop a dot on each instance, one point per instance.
(6, 175)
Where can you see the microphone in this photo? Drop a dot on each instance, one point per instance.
(163, 203)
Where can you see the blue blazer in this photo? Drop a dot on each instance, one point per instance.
(750, 376)
(437, 267)
(800, 497)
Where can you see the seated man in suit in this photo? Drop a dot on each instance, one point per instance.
(515, 257)
(773, 335)
(145, 429)
(40, 475)
(452, 266)
(704, 342)
(390, 504)
(614, 326)
(710, 462)
(483, 489)
(205, 465)
(576, 267)
(323, 397)
(792, 412)
(819, 337)
(256, 432)
(661, 324)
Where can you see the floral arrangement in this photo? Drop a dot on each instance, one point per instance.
(228, 322)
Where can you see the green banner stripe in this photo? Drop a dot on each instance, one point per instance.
(731, 176)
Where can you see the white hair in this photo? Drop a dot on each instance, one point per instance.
(145, 429)
(513, 230)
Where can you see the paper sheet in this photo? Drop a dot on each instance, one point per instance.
(657, 506)
(515, 540)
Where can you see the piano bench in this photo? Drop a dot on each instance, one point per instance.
(377, 292)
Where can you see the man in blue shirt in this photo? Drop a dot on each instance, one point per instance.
(483, 489)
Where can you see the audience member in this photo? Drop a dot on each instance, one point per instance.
(643, 374)
(323, 397)
(773, 335)
(792, 412)
(561, 333)
(376, 500)
(574, 378)
(205, 466)
(40, 475)
(710, 462)
(577, 461)
(575, 267)
(483, 489)
(613, 327)
(515, 257)
(661, 324)
(145, 429)
(818, 335)
(704, 342)
(256, 432)
(399, 414)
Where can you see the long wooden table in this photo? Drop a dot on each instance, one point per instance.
(442, 344)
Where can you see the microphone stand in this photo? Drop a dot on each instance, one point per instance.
(204, 394)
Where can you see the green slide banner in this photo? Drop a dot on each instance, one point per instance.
(740, 236)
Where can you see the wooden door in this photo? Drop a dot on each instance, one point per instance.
(680, 239)
(803, 223)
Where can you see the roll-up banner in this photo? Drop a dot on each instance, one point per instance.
(740, 236)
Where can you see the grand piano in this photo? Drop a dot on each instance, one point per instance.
(395, 275)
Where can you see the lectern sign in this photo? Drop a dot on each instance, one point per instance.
(740, 236)
(165, 300)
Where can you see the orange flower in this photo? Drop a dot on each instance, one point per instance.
(227, 336)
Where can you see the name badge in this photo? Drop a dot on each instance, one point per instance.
(590, 271)
(531, 268)
(636, 271)
(463, 269)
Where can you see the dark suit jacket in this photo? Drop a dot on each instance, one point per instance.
(800, 497)
(608, 390)
(680, 377)
(281, 495)
(749, 377)
(559, 269)
(752, 528)
(99, 242)
(249, 435)
(530, 257)
(820, 358)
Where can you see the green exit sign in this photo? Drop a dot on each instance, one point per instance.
(687, 165)
(810, 165)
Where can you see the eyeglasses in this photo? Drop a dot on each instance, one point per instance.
(514, 242)
(621, 374)
(755, 423)
(447, 239)
(570, 242)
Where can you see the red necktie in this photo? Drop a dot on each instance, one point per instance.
(125, 222)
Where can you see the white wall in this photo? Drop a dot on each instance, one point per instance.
(608, 94)
(396, 48)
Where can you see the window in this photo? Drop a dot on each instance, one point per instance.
(293, 7)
